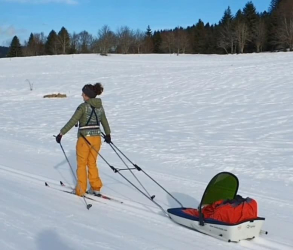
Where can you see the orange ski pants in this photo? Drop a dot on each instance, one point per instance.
(86, 156)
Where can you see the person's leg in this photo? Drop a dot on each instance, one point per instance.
(93, 172)
(82, 153)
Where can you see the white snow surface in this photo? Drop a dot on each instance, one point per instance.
(182, 119)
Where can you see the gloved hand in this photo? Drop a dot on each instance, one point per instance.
(58, 138)
(108, 138)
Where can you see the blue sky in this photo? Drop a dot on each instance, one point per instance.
(21, 17)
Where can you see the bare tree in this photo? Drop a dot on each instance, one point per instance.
(85, 42)
(224, 43)
(40, 40)
(139, 37)
(241, 31)
(226, 39)
(226, 35)
(74, 43)
(125, 38)
(168, 41)
(181, 40)
(260, 34)
(106, 40)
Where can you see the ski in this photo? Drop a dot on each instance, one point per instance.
(98, 195)
(68, 192)
(107, 198)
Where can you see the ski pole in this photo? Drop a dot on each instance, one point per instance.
(112, 145)
(150, 196)
(88, 206)
(117, 171)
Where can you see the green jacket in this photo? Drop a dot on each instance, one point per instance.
(82, 116)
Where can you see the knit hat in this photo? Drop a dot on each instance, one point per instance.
(88, 91)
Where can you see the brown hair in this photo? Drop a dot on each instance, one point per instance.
(93, 90)
(98, 88)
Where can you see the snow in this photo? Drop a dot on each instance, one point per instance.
(183, 119)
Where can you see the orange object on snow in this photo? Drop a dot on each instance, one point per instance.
(228, 211)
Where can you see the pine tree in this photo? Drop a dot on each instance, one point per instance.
(3, 51)
(250, 18)
(274, 5)
(149, 46)
(199, 38)
(273, 24)
(211, 42)
(227, 17)
(149, 31)
(52, 43)
(64, 40)
(31, 45)
(15, 48)
(157, 40)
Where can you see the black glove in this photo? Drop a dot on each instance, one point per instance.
(107, 138)
(58, 138)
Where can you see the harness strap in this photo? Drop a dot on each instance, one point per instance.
(93, 112)
(91, 126)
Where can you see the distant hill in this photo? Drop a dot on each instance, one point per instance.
(3, 51)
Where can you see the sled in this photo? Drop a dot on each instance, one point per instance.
(223, 186)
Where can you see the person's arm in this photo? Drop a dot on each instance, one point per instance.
(73, 120)
(105, 123)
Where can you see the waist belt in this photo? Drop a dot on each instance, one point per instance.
(89, 127)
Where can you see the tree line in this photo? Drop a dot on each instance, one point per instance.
(247, 31)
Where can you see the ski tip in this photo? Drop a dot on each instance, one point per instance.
(89, 206)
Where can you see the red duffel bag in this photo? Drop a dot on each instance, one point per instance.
(228, 211)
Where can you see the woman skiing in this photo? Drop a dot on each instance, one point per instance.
(89, 115)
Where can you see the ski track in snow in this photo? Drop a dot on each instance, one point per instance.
(158, 223)
(182, 119)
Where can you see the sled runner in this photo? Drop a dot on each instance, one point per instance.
(222, 213)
